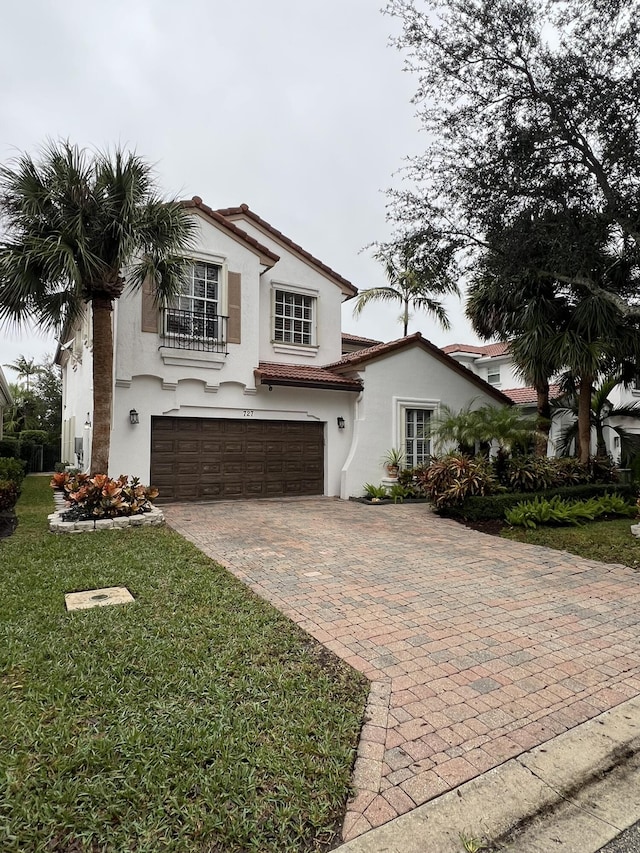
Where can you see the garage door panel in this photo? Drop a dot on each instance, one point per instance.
(213, 459)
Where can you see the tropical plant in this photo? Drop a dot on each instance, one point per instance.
(469, 428)
(103, 497)
(398, 492)
(74, 224)
(415, 276)
(601, 413)
(393, 458)
(557, 510)
(532, 159)
(25, 367)
(449, 480)
(375, 492)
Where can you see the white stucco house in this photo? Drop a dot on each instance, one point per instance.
(6, 399)
(245, 386)
(493, 363)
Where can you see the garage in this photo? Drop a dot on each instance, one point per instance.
(221, 459)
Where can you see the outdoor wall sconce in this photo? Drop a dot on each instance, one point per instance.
(87, 423)
(134, 417)
(340, 423)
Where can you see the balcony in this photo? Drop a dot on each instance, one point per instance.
(188, 330)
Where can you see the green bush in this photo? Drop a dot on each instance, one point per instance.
(12, 469)
(9, 447)
(557, 510)
(9, 494)
(489, 507)
(34, 436)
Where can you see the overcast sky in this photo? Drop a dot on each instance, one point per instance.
(297, 107)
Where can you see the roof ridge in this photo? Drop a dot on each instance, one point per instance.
(244, 209)
(197, 202)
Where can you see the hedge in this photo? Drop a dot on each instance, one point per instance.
(486, 507)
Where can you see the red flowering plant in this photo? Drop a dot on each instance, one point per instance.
(102, 497)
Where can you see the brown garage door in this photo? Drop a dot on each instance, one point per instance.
(214, 458)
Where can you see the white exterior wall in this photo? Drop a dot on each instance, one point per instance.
(77, 393)
(131, 445)
(408, 377)
(137, 353)
(509, 378)
(292, 272)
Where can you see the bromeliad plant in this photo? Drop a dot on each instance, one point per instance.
(103, 497)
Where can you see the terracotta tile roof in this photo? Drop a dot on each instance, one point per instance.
(356, 339)
(486, 349)
(244, 211)
(304, 376)
(528, 395)
(197, 202)
(351, 360)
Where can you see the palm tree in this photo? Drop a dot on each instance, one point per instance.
(26, 367)
(415, 271)
(74, 224)
(601, 413)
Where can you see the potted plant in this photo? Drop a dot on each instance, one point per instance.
(392, 461)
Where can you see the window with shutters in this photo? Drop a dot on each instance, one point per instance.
(294, 318)
(197, 318)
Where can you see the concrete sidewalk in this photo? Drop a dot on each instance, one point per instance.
(572, 795)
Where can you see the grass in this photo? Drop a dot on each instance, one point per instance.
(196, 719)
(607, 541)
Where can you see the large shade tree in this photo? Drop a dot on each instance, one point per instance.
(79, 227)
(550, 325)
(532, 114)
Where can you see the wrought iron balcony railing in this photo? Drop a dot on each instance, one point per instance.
(192, 331)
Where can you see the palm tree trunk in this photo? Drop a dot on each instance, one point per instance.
(102, 309)
(584, 418)
(406, 315)
(544, 418)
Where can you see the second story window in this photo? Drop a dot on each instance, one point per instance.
(194, 314)
(493, 374)
(293, 318)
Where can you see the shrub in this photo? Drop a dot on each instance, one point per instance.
(34, 436)
(101, 497)
(556, 510)
(12, 469)
(489, 507)
(9, 494)
(9, 447)
(451, 479)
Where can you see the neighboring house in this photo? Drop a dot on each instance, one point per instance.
(245, 386)
(493, 363)
(6, 399)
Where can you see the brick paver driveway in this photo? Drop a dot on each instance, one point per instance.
(478, 648)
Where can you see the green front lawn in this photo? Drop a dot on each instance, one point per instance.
(607, 541)
(196, 719)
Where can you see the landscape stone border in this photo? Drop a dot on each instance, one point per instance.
(153, 518)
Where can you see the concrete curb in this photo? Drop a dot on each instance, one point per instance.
(573, 793)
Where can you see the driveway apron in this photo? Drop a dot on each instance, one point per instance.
(477, 648)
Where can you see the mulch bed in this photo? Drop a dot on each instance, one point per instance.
(491, 526)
